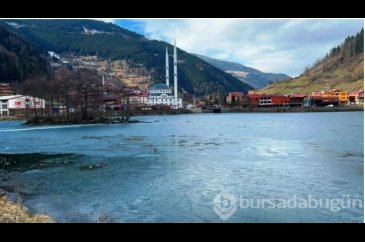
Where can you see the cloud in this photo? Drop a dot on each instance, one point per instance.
(270, 45)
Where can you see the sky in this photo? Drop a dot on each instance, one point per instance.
(270, 45)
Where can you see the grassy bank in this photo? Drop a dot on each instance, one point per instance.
(11, 212)
(5, 118)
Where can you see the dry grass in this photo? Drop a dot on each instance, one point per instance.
(347, 77)
(15, 213)
(5, 117)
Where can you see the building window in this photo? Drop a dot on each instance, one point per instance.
(4, 106)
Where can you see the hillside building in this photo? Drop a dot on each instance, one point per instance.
(6, 90)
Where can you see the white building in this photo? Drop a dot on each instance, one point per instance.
(53, 54)
(160, 93)
(138, 99)
(9, 104)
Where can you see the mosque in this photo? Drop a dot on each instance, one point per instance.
(161, 93)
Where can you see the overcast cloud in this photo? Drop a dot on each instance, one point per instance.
(270, 45)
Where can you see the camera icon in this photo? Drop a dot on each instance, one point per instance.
(225, 205)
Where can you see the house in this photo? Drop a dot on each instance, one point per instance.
(361, 97)
(273, 100)
(296, 99)
(343, 97)
(254, 98)
(138, 99)
(356, 97)
(234, 98)
(320, 101)
(18, 104)
(6, 89)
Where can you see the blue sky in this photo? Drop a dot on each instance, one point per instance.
(270, 45)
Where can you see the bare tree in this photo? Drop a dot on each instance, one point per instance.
(88, 88)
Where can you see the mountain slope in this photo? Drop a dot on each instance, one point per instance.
(111, 42)
(342, 68)
(251, 76)
(19, 60)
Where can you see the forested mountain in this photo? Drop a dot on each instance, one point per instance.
(342, 68)
(111, 42)
(19, 60)
(251, 76)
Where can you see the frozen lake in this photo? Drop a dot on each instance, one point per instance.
(171, 168)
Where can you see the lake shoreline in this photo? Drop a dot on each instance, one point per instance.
(293, 109)
(116, 120)
(83, 122)
(10, 118)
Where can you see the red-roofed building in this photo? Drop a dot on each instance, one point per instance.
(356, 97)
(254, 98)
(343, 97)
(274, 100)
(320, 101)
(234, 97)
(361, 97)
(296, 99)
